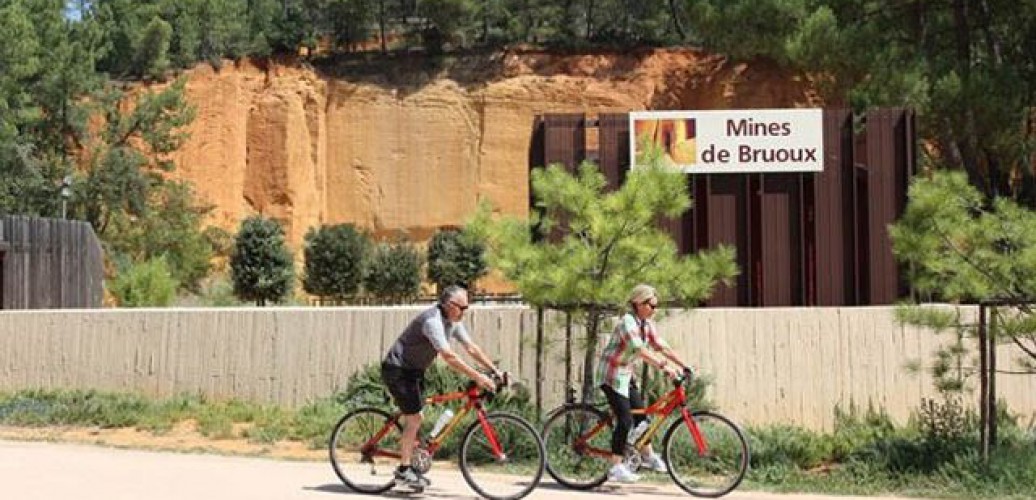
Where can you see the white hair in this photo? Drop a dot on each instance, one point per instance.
(642, 293)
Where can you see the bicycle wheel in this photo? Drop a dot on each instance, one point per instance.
(714, 469)
(578, 441)
(511, 475)
(362, 460)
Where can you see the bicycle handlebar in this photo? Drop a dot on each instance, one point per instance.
(502, 382)
(685, 376)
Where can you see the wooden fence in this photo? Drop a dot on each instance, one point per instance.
(49, 264)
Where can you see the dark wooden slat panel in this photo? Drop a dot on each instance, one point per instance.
(727, 220)
(833, 209)
(780, 270)
(614, 147)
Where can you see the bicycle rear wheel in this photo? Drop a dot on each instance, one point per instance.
(578, 442)
(507, 476)
(717, 466)
(364, 449)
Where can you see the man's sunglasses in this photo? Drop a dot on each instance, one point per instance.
(652, 305)
(458, 306)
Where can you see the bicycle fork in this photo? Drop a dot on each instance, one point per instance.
(494, 442)
(703, 448)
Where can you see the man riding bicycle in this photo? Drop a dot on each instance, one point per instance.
(627, 343)
(403, 367)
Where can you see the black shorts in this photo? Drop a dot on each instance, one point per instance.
(405, 386)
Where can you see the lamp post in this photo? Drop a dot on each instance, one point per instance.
(66, 193)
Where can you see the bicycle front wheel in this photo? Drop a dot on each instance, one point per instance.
(502, 458)
(711, 466)
(578, 442)
(364, 449)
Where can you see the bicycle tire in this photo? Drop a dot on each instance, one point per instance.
(525, 457)
(718, 472)
(357, 427)
(566, 464)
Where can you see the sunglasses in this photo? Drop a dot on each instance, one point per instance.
(458, 306)
(652, 305)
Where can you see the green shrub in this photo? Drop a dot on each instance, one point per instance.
(787, 445)
(394, 273)
(145, 284)
(455, 258)
(335, 259)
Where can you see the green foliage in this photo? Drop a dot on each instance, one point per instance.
(335, 260)
(764, 26)
(958, 245)
(261, 266)
(394, 272)
(145, 284)
(171, 228)
(455, 258)
(588, 247)
(610, 240)
(218, 291)
(152, 56)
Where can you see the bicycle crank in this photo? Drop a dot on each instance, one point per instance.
(421, 460)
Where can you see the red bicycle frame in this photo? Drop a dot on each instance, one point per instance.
(474, 402)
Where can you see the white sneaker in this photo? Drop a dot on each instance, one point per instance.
(655, 463)
(619, 472)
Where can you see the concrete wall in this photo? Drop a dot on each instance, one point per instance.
(768, 365)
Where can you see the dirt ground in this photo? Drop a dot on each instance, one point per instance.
(184, 437)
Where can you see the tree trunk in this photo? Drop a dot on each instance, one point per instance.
(589, 23)
(590, 356)
(568, 358)
(675, 15)
(539, 361)
(381, 26)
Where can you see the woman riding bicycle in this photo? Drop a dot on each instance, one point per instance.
(627, 343)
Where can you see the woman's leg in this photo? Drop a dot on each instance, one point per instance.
(620, 406)
(637, 403)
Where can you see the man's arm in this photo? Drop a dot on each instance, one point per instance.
(479, 355)
(459, 365)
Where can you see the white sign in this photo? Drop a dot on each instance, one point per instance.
(742, 141)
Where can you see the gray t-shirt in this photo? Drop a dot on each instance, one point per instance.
(423, 338)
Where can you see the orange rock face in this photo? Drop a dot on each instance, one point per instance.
(307, 148)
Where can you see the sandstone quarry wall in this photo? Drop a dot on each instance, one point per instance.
(307, 148)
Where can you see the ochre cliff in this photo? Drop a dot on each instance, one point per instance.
(306, 148)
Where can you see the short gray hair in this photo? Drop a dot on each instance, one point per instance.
(450, 292)
(642, 293)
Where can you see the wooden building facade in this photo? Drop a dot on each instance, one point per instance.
(802, 239)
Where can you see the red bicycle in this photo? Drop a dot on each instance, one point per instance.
(501, 454)
(706, 453)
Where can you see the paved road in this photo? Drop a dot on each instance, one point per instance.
(48, 471)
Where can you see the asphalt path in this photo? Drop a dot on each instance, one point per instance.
(52, 471)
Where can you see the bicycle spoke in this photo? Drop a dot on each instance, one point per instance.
(711, 471)
(510, 475)
(578, 440)
(362, 461)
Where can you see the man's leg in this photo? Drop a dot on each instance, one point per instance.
(411, 424)
(405, 388)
